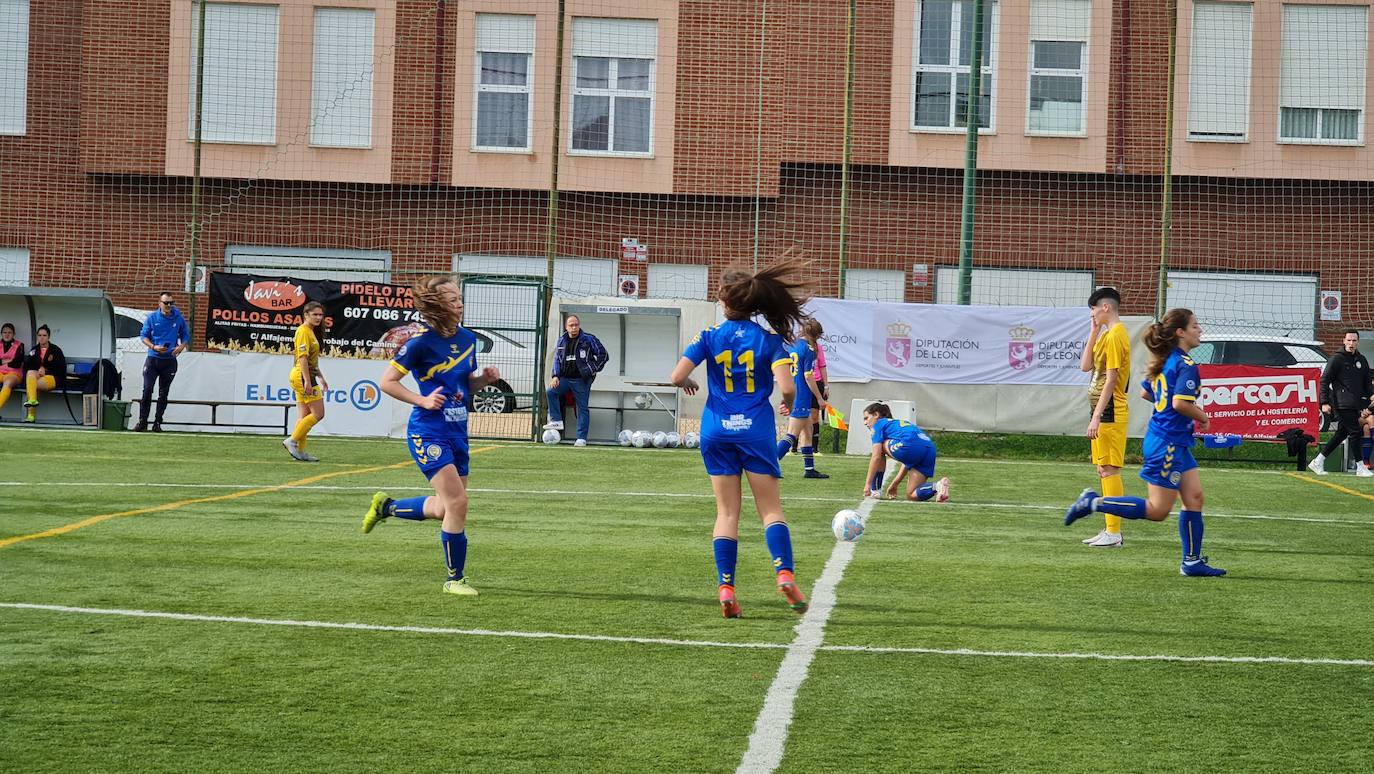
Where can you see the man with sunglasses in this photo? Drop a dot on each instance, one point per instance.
(166, 334)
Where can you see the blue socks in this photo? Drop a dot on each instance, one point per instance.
(808, 458)
(785, 445)
(876, 485)
(1366, 448)
(779, 545)
(1190, 534)
(925, 492)
(455, 552)
(1125, 507)
(410, 508)
(726, 551)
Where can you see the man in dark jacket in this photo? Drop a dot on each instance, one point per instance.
(577, 359)
(1345, 392)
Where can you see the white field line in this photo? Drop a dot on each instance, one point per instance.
(959, 505)
(769, 737)
(447, 631)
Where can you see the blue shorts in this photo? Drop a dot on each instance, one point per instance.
(1166, 461)
(730, 458)
(801, 407)
(919, 456)
(433, 452)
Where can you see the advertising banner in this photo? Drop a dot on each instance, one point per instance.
(945, 344)
(1255, 402)
(260, 314)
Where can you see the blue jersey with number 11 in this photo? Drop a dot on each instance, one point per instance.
(740, 356)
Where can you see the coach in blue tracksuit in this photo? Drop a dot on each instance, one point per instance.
(577, 359)
(166, 334)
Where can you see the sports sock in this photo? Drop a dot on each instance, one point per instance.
(412, 508)
(726, 551)
(1366, 443)
(455, 552)
(1113, 487)
(815, 433)
(925, 491)
(779, 540)
(302, 427)
(877, 484)
(785, 445)
(1125, 507)
(1190, 534)
(5, 395)
(808, 457)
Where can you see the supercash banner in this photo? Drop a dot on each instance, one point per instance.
(945, 344)
(1255, 402)
(260, 314)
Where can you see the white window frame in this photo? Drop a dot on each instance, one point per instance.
(989, 72)
(310, 263)
(678, 280)
(264, 107)
(1062, 288)
(1357, 105)
(15, 264)
(571, 276)
(341, 102)
(612, 93)
(14, 67)
(1193, 75)
(1081, 74)
(880, 285)
(478, 88)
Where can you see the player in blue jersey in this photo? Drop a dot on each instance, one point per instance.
(743, 361)
(1171, 385)
(443, 361)
(802, 353)
(909, 445)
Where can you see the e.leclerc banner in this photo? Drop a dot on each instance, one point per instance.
(261, 314)
(944, 344)
(1255, 402)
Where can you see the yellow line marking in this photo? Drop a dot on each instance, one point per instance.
(1336, 487)
(54, 532)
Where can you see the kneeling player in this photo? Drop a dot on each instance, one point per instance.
(907, 444)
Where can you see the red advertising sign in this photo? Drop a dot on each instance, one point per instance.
(1255, 402)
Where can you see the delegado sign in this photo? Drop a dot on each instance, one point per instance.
(1255, 402)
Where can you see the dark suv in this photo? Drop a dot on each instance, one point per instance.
(1269, 351)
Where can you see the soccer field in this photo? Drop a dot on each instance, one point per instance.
(200, 603)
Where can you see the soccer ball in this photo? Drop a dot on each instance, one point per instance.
(626, 437)
(642, 400)
(552, 437)
(660, 440)
(674, 440)
(847, 525)
(640, 439)
(691, 440)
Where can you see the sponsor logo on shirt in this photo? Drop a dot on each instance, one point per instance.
(737, 422)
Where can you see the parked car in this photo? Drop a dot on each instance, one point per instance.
(515, 389)
(1255, 350)
(128, 325)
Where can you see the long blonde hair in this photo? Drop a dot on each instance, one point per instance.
(1161, 338)
(430, 304)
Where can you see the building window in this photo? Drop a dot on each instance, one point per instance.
(240, 104)
(14, 261)
(886, 285)
(1060, 30)
(1321, 95)
(503, 100)
(613, 86)
(1219, 72)
(312, 263)
(677, 280)
(14, 66)
(341, 92)
(944, 43)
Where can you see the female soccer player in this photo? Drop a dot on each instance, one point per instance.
(737, 428)
(11, 362)
(818, 411)
(1363, 469)
(907, 444)
(443, 360)
(45, 368)
(1171, 384)
(802, 353)
(307, 381)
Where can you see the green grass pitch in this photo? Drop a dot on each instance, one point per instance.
(968, 636)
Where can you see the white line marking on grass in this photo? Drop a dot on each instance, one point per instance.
(862, 649)
(769, 738)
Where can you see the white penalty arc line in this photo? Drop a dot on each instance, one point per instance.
(455, 632)
(769, 737)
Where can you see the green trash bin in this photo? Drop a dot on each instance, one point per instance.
(116, 415)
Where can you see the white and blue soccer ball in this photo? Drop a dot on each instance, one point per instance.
(642, 400)
(641, 439)
(552, 437)
(660, 440)
(691, 440)
(847, 525)
(674, 440)
(626, 437)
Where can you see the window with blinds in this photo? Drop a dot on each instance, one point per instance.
(14, 66)
(341, 88)
(1059, 66)
(505, 89)
(1322, 89)
(613, 86)
(240, 104)
(1219, 72)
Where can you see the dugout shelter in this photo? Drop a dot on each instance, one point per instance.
(82, 324)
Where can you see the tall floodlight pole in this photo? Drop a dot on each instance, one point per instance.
(975, 93)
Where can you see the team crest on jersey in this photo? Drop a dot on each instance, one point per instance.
(433, 451)
(898, 347)
(1175, 477)
(1021, 348)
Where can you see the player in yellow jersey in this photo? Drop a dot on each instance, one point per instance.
(307, 381)
(1107, 355)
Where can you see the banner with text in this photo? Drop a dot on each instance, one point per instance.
(953, 344)
(1255, 402)
(261, 314)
